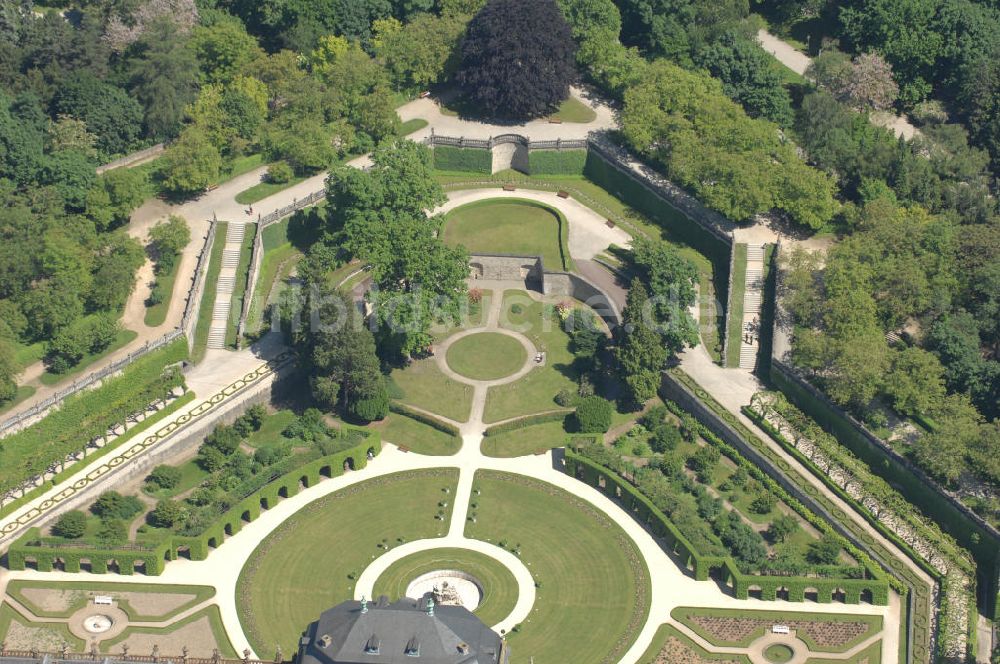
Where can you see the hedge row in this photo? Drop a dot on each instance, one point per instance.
(638, 196)
(424, 418)
(556, 162)
(472, 160)
(645, 512)
(152, 559)
(527, 421)
(920, 606)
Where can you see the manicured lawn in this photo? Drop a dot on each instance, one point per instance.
(269, 434)
(46, 636)
(735, 331)
(423, 385)
(262, 190)
(497, 582)
(574, 110)
(191, 476)
(157, 313)
(23, 392)
(535, 392)
(311, 561)
(473, 316)
(418, 437)
(594, 593)
(410, 126)
(208, 295)
(522, 442)
(240, 287)
(510, 226)
(486, 356)
(122, 339)
(275, 267)
(778, 653)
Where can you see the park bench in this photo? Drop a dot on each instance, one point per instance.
(610, 223)
(563, 194)
(509, 187)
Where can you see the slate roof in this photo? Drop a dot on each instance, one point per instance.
(403, 632)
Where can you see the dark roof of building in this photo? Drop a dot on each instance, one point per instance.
(402, 632)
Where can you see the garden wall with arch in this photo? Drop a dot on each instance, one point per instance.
(48, 554)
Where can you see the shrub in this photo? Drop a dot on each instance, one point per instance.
(210, 458)
(372, 408)
(567, 398)
(782, 527)
(113, 531)
(113, 505)
(593, 415)
(165, 477)
(168, 514)
(654, 417)
(516, 309)
(665, 437)
(406, 411)
(824, 551)
(557, 162)
(71, 525)
(475, 295)
(704, 459)
(280, 172)
(763, 503)
(225, 439)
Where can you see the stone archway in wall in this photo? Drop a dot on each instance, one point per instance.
(507, 156)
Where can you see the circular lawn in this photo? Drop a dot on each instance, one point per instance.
(497, 582)
(486, 356)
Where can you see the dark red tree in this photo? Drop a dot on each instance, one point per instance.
(518, 59)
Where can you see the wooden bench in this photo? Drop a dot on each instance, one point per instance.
(610, 223)
(563, 194)
(509, 187)
(555, 121)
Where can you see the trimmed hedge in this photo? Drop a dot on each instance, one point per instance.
(527, 421)
(641, 198)
(424, 418)
(643, 510)
(152, 558)
(556, 162)
(472, 160)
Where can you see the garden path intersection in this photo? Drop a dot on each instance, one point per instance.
(671, 586)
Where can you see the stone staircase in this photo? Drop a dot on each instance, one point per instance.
(750, 342)
(224, 287)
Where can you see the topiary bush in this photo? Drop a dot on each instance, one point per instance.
(593, 415)
(372, 408)
(165, 477)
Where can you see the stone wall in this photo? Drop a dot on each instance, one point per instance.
(567, 283)
(505, 267)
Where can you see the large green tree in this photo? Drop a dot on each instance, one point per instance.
(517, 59)
(640, 353)
(164, 78)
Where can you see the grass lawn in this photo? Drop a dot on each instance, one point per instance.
(534, 393)
(872, 653)
(45, 636)
(778, 653)
(735, 331)
(712, 276)
(474, 315)
(486, 356)
(25, 354)
(418, 437)
(275, 267)
(522, 442)
(263, 189)
(311, 561)
(240, 287)
(23, 392)
(269, 434)
(410, 126)
(497, 582)
(510, 226)
(423, 385)
(574, 110)
(157, 313)
(208, 295)
(594, 594)
(122, 339)
(679, 648)
(191, 476)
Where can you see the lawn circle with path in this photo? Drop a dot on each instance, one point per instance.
(486, 356)
(779, 653)
(497, 586)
